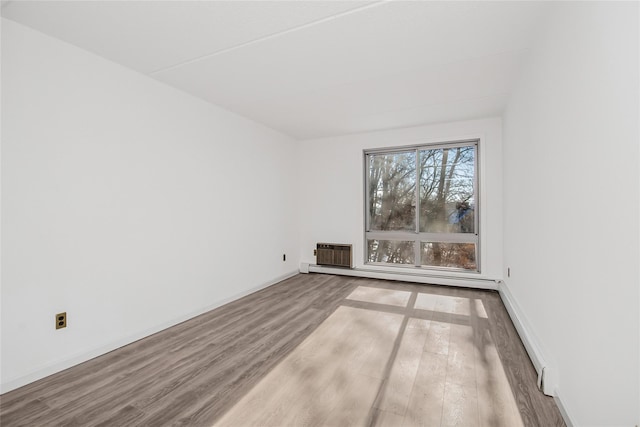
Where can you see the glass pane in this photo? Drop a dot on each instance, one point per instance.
(391, 251)
(447, 194)
(392, 186)
(456, 255)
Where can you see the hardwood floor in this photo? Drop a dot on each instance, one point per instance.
(311, 350)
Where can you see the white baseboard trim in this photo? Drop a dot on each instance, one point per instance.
(568, 420)
(89, 354)
(432, 279)
(546, 372)
(541, 363)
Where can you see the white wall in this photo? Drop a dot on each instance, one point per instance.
(331, 173)
(126, 203)
(571, 206)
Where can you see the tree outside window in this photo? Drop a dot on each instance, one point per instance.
(421, 206)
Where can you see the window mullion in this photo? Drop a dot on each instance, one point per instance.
(416, 246)
(476, 193)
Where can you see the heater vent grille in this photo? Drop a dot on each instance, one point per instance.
(334, 255)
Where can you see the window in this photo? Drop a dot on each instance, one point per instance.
(421, 206)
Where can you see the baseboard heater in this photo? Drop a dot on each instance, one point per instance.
(334, 255)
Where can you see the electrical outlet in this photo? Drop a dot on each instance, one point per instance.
(315, 252)
(61, 320)
(284, 257)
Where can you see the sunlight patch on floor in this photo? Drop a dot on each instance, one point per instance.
(380, 296)
(477, 305)
(444, 304)
(330, 379)
(397, 370)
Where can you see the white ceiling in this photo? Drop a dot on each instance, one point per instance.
(311, 68)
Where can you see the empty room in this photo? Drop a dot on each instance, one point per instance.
(320, 213)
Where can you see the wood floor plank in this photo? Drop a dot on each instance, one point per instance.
(388, 419)
(405, 368)
(496, 404)
(427, 395)
(311, 350)
(460, 405)
(437, 340)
